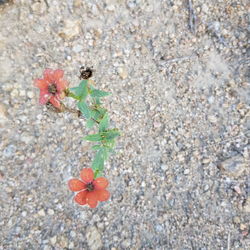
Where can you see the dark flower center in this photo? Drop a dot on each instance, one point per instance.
(90, 186)
(52, 89)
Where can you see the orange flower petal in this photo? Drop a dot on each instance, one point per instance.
(42, 84)
(103, 195)
(87, 175)
(61, 84)
(55, 102)
(44, 97)
(80, 198)
(91, 199)
(48, 75)
(76, 185)
(100, 183)
(58, 74)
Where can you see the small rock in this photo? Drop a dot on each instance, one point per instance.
(39, 7)
(244, 233)
(211, 99)
(205, 8)
(214, 26)
(212, 118)
(247, 206)
(73, 234)
(69, 58)
(77, 3)
(24, 213)
(206, 187)
(237, 189)
(41, 212)
(126, 244)
(30, 94)
(27, 139)
(110, 7)
(186, 171)
(181, 157)
(46, 247)
(9, 150)
(159, 228)
(71, 245)
(22, 92)
(236, 220)
(94, 239)
(3, 113)
(164, 167)
(206, 161)
(53, 240)
(71, 29)
(14, 93)
(234, 167)
(63, 242)
(242, 226)
(77, 48)
(122, 72)
(51, 212)
(157, 124)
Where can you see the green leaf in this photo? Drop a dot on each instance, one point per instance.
(95, 114)
(98, 113)
(94, 137)
(104, 123)
(98, 93)
(98, 162)
(96, 147)
(110, 145)
(84, 109)
(90, 123)
(81, 91)
(97, 100)
(105, 152)
(110, 134)
(102, 111)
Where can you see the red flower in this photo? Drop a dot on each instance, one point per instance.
(91, 190)
(52, 87)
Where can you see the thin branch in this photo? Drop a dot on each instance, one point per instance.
(192, 17)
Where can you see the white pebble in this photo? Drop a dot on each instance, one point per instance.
(41, 212)
(30, 94)
(51, 212)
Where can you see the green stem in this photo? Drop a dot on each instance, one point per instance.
(70, 94)
(96, 172)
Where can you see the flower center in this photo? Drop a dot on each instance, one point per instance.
(52, 89)
(90, 186)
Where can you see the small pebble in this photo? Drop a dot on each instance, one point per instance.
(53, 240)
(122, 72)
(24, 213)
(41, 212)
(30, 94)
(50, 211)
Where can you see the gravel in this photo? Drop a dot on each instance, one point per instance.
(180, 178)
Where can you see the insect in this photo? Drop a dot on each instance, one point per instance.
(85, 73)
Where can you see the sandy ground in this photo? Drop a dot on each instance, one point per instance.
(178, 73)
